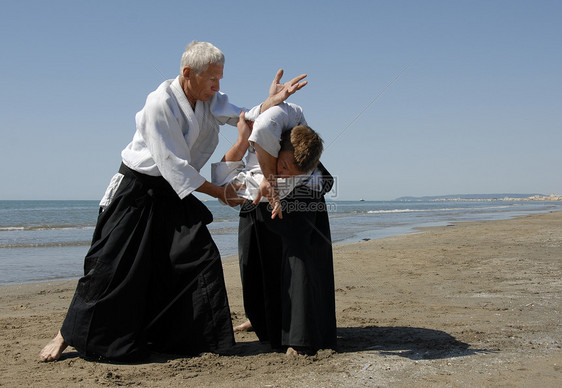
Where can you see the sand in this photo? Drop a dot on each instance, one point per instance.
(471, 304)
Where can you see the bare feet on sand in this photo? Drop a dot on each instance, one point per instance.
(53, 350)
(296, 351)
(291, 352)
(246, 326)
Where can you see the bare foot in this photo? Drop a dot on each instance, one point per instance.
(296, 351)
(246, 326)
(291, 352)
(53, 350)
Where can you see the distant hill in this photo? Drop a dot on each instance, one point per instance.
(468, 196)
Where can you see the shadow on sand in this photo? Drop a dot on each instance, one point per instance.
(410, 342)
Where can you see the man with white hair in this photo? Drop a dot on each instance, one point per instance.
(153, 278)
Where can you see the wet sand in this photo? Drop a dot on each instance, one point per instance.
(470, 304)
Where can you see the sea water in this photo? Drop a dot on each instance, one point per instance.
(47, 240)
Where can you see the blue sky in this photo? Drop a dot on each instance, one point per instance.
(411, 97)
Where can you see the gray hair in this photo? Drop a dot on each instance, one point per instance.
(198, 56)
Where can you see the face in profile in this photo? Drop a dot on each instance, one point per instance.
(203, 86)
(286, 165)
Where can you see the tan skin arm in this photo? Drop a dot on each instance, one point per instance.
(268, 186)
(239, 148)
(227, 194)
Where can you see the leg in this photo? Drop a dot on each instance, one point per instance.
(308, 286)
(260, 253)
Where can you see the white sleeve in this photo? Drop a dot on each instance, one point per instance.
(253, 113)
(224, 172)
(164, 139)
(270, 124)
(227, 113)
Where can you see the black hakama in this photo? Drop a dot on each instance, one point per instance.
(152, 279)
(287, 272)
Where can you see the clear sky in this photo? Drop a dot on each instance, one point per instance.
(412, 98)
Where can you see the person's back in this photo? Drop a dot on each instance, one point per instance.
(282, 132)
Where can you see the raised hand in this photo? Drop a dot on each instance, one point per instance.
(279, 92)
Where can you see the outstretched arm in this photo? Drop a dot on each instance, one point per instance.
(239, 148)
(280, 92)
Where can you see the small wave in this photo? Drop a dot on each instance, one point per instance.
(10, 228)
(224, 231)
(45, 227)
(394, 211)
(46, 245)
(411, 210)
(446, 209)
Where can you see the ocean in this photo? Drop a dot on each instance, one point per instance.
(47, 240)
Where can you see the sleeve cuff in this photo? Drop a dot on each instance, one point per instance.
(224, 172)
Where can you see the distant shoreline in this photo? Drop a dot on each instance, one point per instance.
(486, 198)
(543, 198)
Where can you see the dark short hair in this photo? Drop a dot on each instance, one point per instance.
(306, 146)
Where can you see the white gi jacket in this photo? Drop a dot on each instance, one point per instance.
(266, 132)
(174, 141)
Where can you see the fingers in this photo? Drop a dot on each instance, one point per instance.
(241, 117)
(235, 201)
(278, 76)
(238, 186)
(231, 201)
(230, 196)
(275, 204)
(297, 79)
(295, 84)
(294, 88)
(276, 212)
(258, 198)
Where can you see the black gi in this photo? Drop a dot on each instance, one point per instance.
(152, 278)
(287, 272)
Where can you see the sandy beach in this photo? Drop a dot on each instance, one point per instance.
(471, 304)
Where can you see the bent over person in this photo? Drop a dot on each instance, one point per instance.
(286, 264)
(299, 150)
(152, 277)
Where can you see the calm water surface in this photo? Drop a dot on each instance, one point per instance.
(47, 240)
